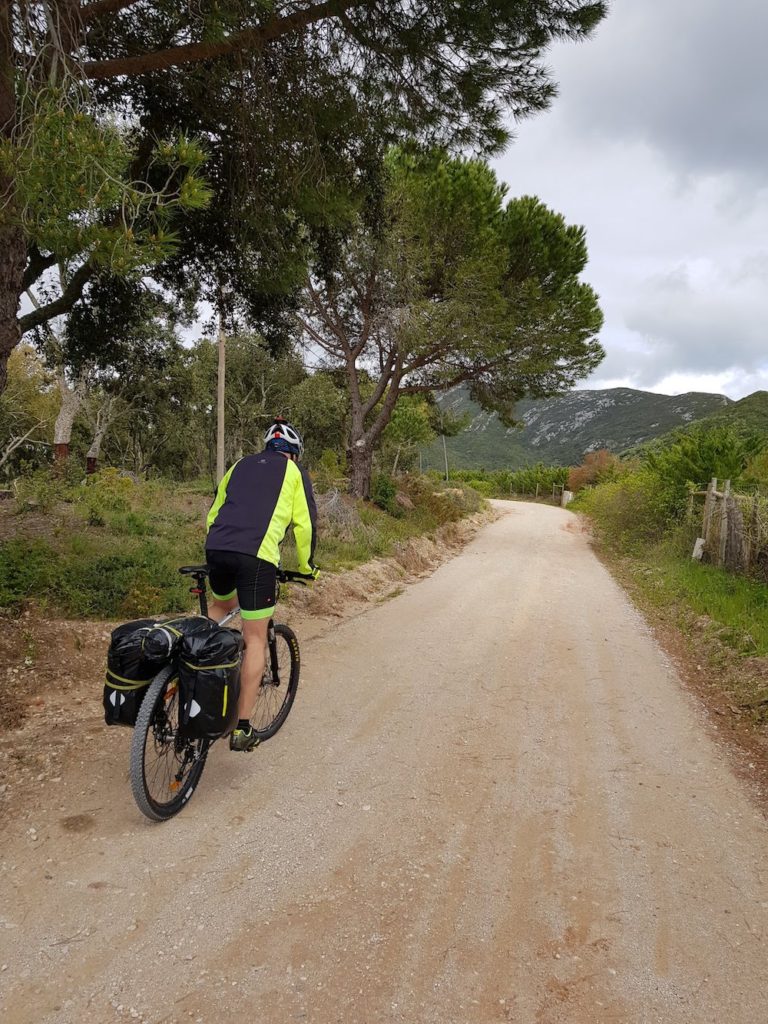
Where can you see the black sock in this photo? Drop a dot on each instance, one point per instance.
(244, 725)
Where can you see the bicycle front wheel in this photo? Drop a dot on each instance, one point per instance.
(279, 683)
(165, 767)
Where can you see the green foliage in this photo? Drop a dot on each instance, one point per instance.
(756, 472)
(28, 409)
(697, 455)
(629, 511)
(40, 491)
(126, 566)
(596, 468)
(27, 567)
(74, 188)
(329, 472)
(319, 408)
(506, 483)
(637, 503)
(383, 493)
(409, 429)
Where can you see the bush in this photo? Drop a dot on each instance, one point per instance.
(383, 494)
(503, 483)
(597, 467)
(329, 472)
(629, 511)
(41, 491)
(697, 455)
(26, 567)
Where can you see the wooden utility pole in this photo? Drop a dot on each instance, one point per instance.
(220, 399)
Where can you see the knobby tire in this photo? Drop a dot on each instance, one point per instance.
(274, 702)
(157, 755)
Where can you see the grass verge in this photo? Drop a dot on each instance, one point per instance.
(110, 547)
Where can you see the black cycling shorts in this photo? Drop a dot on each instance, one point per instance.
(252, 579)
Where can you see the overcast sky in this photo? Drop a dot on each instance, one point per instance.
(658, 144)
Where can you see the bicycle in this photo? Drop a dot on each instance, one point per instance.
(165, 766)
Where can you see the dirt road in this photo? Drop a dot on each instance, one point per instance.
(493, 801)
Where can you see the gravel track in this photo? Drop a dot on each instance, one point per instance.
(493, 802)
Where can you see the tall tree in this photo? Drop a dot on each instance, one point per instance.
(306, 91)
(447, 287)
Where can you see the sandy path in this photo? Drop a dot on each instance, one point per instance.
(493, 801)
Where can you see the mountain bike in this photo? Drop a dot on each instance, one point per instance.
(165, 765)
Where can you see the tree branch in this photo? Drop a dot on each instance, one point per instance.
(326, 312)
(37, 264)
(390, 401)
(16, 442)
(317, 337)
(63, 304)
(98, 8)
(381, 387)
(192, 53)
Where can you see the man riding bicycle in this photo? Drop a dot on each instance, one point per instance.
(256, 502)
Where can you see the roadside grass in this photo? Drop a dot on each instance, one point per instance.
(111, 547)
(737, 606)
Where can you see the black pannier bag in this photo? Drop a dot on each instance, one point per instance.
(162, 642)
(129, 673)
(209, 679)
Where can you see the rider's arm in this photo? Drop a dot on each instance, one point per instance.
(218, 501)
(305, 522)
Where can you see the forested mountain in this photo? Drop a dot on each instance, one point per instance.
(558, 431)
(750, 413)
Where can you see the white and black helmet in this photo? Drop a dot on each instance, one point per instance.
(282, 437)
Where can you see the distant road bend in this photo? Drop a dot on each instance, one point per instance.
(493, 801)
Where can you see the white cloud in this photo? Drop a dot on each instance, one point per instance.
(658, 145)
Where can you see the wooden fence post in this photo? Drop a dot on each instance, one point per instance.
(709, 503)
(755, 540)
(724, 523)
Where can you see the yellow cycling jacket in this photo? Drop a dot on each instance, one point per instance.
(256, 502)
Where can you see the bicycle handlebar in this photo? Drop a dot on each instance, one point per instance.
(289, 576)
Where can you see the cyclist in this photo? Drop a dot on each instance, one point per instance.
(256, 502)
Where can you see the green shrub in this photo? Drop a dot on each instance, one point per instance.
(697, 455)
(109, 490)
(27, 567)
(329, 472)
(383, 494)
(41, 491)
(629, 511)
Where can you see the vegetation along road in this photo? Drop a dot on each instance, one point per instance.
(493, 801)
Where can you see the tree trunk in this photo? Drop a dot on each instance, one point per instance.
(13, 249)
(104, 418)
(71, 400)
(360, 458)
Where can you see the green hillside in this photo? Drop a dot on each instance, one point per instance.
(750, 412)
(558, 431)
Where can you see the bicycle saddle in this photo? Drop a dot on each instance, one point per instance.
(194, 570)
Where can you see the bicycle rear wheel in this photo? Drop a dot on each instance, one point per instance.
(279, 683)
(165, 767)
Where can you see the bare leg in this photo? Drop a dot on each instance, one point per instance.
(254, 660)
(218, 609)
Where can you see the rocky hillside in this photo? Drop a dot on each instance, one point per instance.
(558, 431)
